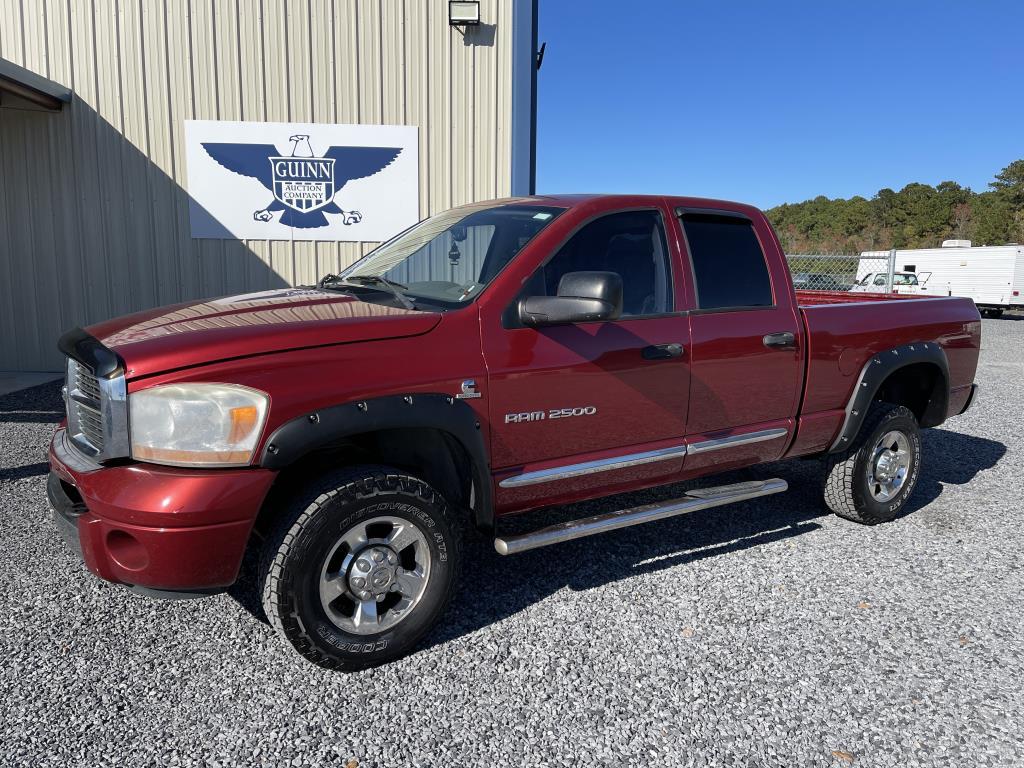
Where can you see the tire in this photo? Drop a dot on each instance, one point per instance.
(311, 559)
(848, 487)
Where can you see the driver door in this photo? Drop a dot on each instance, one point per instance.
(581, 401)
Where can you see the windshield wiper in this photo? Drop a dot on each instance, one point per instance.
(393, 287)
(376, 280)
(330, 277)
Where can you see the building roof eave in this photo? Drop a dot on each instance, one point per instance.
(31, 87)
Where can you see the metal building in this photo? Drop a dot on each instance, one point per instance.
(94, 95)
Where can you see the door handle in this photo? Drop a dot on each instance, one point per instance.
(785, 340)
(662, 351)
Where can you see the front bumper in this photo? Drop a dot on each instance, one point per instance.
(162, 529)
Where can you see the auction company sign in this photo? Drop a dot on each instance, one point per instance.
(301, 181)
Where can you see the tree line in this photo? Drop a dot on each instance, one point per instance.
(918, 216)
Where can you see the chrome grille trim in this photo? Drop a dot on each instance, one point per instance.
(92, 428)
(97, 413)
(87, 383)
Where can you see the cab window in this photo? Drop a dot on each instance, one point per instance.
(631, 244)
(729, 268)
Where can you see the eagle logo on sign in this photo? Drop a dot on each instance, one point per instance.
(303, 184)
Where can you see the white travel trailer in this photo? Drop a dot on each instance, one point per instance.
(993, 276)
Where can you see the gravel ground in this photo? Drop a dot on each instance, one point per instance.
(768, 633)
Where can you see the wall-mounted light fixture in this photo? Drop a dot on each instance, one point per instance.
(463, 13)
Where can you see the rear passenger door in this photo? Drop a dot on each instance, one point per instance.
(746, 364)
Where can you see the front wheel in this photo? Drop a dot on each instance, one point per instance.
(871, 481)
(360, 568)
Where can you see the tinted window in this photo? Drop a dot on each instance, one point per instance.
(630, 243)
(728, 264)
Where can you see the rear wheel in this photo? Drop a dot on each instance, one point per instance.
(871, 481)
(360, 568)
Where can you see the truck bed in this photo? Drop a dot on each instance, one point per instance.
(844, 330)
(806, 298)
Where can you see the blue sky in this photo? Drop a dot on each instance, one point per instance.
(777, 101)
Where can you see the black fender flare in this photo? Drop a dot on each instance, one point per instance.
(875, 371)
(445, 413)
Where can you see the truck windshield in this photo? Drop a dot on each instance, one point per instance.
(449, 258)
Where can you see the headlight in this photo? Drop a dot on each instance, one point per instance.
(212, 425)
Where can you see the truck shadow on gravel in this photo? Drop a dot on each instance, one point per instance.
(950, 458)
(493, 588)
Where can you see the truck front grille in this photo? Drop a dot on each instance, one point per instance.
(85, 408)
(86, 382)
(97, 413)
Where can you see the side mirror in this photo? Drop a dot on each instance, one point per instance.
(582, 297)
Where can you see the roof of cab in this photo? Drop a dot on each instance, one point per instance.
(579, 199)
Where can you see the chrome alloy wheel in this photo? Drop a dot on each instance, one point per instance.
(889, 466)
(374, 575)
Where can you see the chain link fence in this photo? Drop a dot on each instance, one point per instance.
(872, 271)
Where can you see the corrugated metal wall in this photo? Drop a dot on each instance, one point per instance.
(93, 208)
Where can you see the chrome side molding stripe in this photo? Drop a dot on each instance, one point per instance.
(703, 446)
(633, 459)
(592, 467)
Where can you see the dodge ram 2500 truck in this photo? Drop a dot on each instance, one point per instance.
(496, 358)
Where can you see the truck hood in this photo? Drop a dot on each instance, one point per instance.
(185, 335)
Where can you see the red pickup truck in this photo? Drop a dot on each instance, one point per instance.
(496, 358)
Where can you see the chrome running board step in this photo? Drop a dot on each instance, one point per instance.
(698, 498)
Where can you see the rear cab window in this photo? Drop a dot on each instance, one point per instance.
(729, 267)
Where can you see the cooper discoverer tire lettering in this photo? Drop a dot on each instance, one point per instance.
(360, 567)
(871, 481)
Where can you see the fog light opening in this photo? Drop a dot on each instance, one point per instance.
(126, 551)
